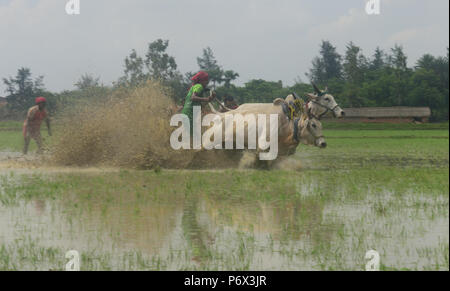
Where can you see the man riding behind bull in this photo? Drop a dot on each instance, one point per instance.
(32, 125)
(197, 94)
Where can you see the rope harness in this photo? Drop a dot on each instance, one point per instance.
(294, 109)
(328, 109)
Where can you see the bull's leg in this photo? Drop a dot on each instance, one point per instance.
(287, 163)
(264, 165)
(248, 160)
(270, 164)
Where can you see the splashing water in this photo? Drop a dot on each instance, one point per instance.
(130, 128)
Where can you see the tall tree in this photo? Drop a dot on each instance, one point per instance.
(430, 84)
(317, 72)
(208, 63)
(355, 65)
(87, 81)
(401, 74)
(229, 76)
(398, 58)
(439, 65)
(160, 65)
(22, 89)
(425, 90)
(327, 66)
(378, 60)
(157, 65)
(134, 69)
(427, 62)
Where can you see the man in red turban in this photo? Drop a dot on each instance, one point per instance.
(196, 94)
(32, 125)
(201, 77)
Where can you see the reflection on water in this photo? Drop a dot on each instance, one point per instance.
(187, 230)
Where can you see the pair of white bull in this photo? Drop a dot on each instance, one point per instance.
(303, 126)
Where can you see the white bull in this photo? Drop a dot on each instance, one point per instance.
(302, 126)
(318, 105)
(305, 129)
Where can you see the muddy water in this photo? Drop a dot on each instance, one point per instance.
(196, 231)
(91, 228)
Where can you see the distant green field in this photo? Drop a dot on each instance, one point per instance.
(338, 134)
(13, 141)
(354, 148)
(10, 125)
(383, 126)
(326, 125)
(11, 138)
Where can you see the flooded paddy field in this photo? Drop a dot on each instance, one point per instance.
(383, 190)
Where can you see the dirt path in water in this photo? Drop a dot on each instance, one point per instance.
(29, 164)
(16, 162)
(32, 163)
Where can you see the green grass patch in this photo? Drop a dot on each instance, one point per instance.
(11, 140)
(11, 125)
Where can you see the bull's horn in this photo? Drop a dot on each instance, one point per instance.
(311, 96)
(316, 88)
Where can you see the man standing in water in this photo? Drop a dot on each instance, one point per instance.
(32, 125)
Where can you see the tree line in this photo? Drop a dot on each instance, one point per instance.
(355, 80)
(384, 79)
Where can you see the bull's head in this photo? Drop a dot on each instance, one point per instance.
(321, 103)
(310, 132)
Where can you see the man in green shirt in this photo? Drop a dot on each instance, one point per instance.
(196, 94)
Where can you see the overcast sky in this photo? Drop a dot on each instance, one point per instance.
(267, 39)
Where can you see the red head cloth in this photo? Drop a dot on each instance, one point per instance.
(201, 76)
(40, 100)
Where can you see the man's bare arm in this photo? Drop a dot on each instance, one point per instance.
(196, 98)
